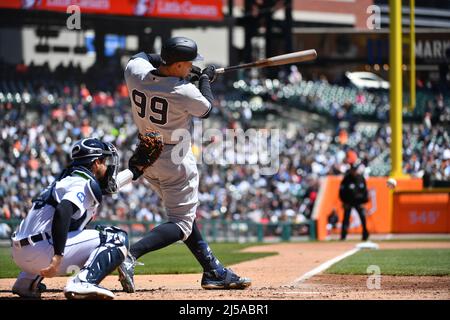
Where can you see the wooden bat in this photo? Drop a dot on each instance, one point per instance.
(123, 178)
(294, 57)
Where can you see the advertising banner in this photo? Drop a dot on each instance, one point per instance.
(171, 9)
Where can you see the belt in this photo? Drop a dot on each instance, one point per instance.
(31, 239)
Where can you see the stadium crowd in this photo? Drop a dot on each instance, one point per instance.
(39, 126)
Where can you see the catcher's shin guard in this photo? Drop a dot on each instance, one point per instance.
(107, 257)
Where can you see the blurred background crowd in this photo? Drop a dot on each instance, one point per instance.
(43, 112)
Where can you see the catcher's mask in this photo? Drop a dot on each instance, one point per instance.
(86, 151)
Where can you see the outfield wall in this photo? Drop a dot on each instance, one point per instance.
(426, 211)
(407, 209)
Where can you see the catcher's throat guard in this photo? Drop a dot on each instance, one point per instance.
(108, 183)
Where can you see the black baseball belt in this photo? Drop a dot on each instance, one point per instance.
(33, 239)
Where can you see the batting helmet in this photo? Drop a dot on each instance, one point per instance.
(179, 49)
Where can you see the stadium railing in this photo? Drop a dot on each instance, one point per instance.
(215, 230)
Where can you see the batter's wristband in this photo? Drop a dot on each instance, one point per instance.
(205, 88)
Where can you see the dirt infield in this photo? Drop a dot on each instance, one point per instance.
(276, 277)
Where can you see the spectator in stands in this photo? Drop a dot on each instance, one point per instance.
(332, 221)
(5, 231)
(295, 76)
(40, 129)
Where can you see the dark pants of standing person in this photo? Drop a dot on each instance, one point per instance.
(346, 222)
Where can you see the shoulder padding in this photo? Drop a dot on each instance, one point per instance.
(96, 190)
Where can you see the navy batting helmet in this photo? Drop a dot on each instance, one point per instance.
(179, 49)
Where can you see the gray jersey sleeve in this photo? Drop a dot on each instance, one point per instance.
(138, 66)
(196, 104)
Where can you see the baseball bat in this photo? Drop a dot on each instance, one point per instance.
(294, 57)
(123, 178)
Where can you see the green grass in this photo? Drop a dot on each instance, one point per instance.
(173, 259)
(8, 268)
(405, 262)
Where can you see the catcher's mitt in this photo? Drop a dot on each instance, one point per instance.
(148, 149)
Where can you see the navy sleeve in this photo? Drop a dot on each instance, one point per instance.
(60, 225)
(205, 88)
(96, 190)
(154, 59)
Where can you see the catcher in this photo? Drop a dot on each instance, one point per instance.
(164, 98)
(52, 239)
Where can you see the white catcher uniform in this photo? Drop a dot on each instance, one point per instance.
(32, 246)
(166, 104)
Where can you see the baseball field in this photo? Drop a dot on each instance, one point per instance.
(283, 271)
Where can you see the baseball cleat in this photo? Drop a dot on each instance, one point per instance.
(27, 293)
(227, 279)
(80, 290)
(42, 287)
(365, 236)
(126, 273)
(25, 289)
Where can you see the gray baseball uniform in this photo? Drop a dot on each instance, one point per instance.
(166, 104)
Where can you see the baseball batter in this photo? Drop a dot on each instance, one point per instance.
(163, 99)
(52, 240)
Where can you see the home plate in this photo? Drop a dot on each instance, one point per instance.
(367, 245)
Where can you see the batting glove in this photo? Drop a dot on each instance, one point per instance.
(210, 71)
(194, 75)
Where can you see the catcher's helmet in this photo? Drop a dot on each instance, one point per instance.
(179, 49)
(85, 151)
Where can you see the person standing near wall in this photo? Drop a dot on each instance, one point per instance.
(353, 194)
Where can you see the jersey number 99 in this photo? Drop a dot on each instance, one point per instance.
(158, 106)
